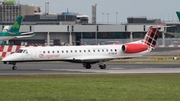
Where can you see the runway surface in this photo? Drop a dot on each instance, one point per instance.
(73, 68)
(166, 49)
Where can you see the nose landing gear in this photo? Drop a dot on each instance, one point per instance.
(14, 66)
(13, 63)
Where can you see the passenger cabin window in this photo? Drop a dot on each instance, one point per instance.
(48, 51)
(84, 50)
(62, 51)
(44, 52)
(115, 50)
(89, 51)
(19, 51)
(76, 51)
(52, 51)
(71, 51)
(57, 51)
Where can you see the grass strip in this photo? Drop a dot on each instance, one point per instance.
(91, 87)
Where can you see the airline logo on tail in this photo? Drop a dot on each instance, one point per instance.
(151, 37)
(16, 25)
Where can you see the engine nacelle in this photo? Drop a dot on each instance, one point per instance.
(134, 48)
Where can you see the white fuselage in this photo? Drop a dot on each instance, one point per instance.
(4, 38)
(71, 53)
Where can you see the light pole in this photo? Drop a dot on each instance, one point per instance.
(103, 18)
(107, 18)
(116, 18)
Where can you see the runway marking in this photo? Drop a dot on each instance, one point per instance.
(116, 71)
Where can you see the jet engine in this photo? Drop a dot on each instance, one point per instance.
(134, 48)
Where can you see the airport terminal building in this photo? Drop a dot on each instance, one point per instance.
(70, 28)
(91, 34)
(88, 34)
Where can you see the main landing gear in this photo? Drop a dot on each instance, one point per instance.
(88, 65)
(102, 66)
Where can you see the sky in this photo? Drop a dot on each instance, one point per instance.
(113, 11)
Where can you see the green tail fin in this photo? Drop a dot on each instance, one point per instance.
(16, 26)
(178, 14)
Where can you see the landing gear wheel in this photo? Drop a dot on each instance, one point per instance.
(102, 66)
(88, 66)
(14, 67)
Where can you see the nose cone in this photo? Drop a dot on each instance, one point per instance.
(11, 58)
(8, 58)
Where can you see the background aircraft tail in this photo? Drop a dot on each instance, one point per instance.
(178, 14)
(151, 36)
(16, 26)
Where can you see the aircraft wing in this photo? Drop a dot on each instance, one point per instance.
(90, 58)
(24, 36)
(27, 33)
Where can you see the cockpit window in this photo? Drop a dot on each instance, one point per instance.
(25, 51)
(19, 51)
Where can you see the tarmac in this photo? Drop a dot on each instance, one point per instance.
(74, 68)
